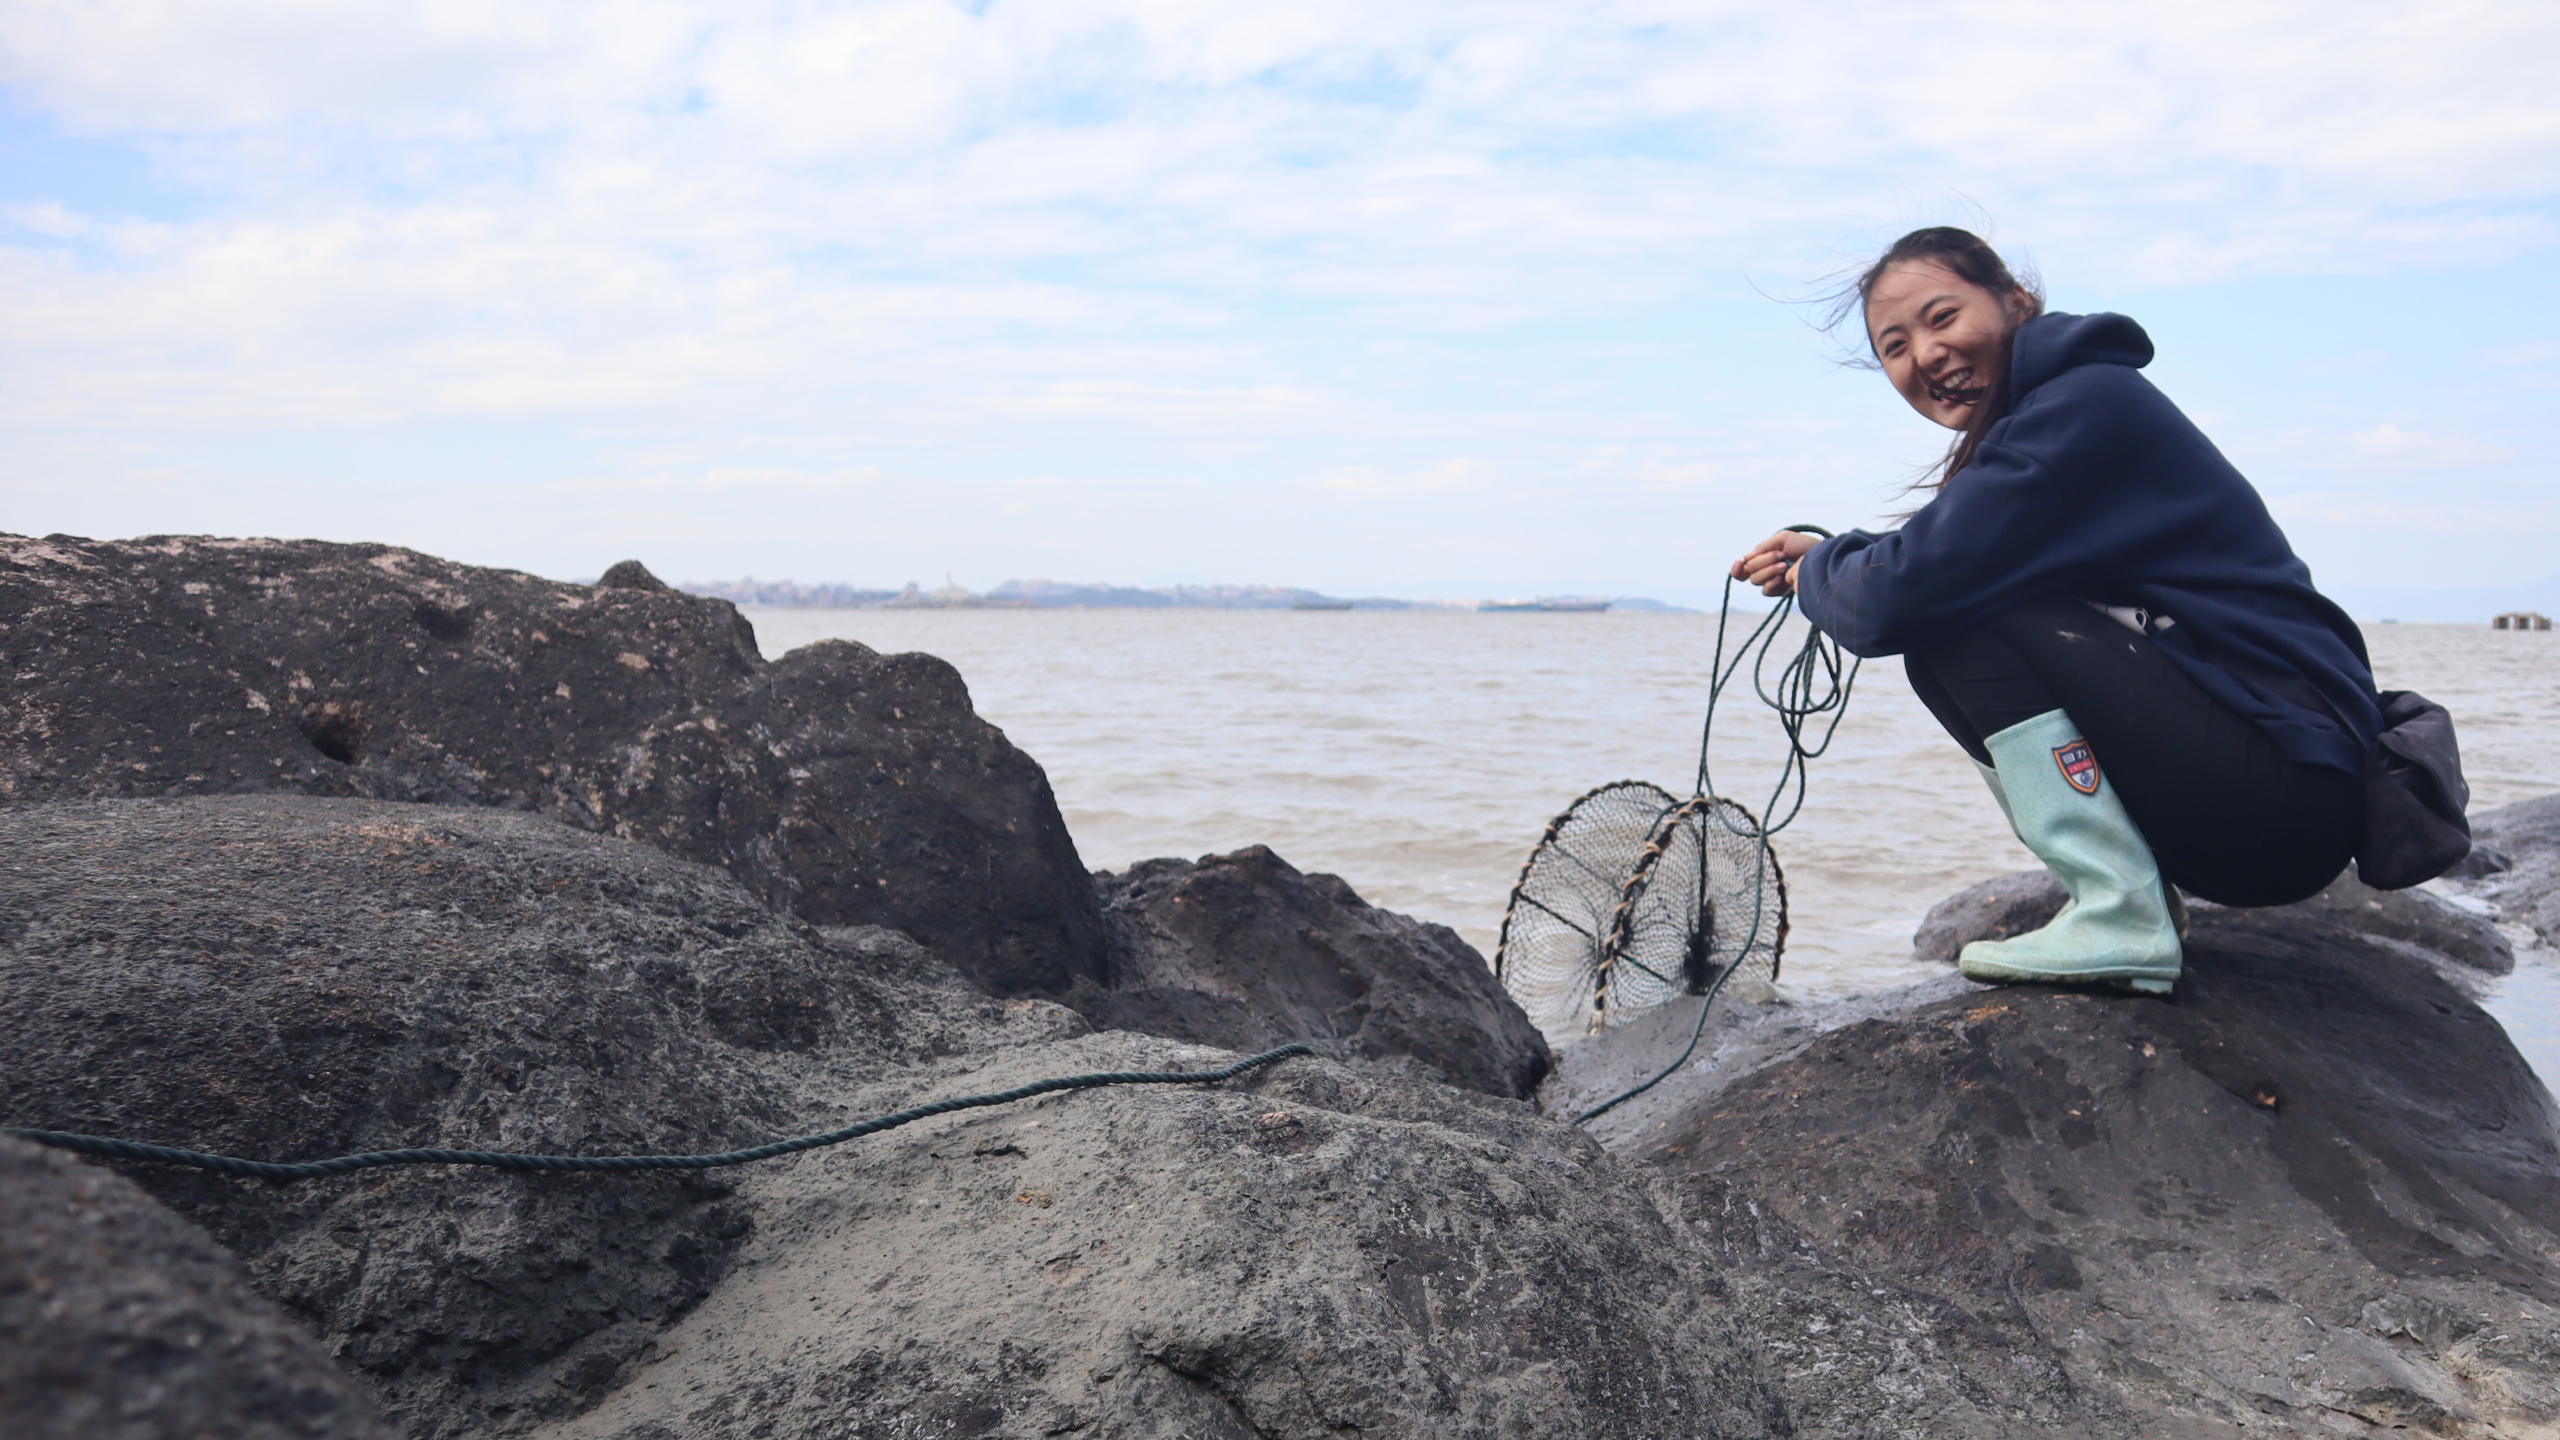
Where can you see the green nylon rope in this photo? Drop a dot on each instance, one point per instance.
(1811, 683)
(1795, 697)
(622, 1164)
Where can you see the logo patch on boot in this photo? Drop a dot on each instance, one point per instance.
(2079, 766)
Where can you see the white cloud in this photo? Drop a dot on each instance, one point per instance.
(1370, 482)
(2414, 449)
(2378, 517)
(1170, 405)
(51, 218)
(2531, 352)
(777, 477)
(905, 231)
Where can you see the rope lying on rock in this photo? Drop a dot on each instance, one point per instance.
(502, 1160)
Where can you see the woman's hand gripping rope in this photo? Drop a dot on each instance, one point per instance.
(1771, 565)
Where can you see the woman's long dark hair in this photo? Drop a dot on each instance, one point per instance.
(1970, 258)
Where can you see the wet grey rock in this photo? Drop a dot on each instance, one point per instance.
(2431, 1325)
(1319, 1251)
(2414, 917)
(285, 978)
(121, 1321)
(2315, 1192)
(849, 787)
(1245, 952)
(2527, 836)
(1994, 909)
(1744, 1033)
(2482, 862)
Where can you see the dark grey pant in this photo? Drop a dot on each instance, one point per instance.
(2229, 818)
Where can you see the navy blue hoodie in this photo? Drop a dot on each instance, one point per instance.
(2094, 486)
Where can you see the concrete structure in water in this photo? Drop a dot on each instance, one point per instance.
(2521, 620)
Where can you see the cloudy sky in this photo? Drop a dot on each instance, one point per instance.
(1421, 298)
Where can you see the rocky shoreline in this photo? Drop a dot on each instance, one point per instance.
(311, 848)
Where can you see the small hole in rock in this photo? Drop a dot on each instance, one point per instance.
(445, 622)
(335, 729)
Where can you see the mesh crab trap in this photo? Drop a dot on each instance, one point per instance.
(1635, 896)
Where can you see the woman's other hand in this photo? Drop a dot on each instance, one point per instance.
(1771, 565)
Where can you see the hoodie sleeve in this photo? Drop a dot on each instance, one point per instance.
(2021, 521)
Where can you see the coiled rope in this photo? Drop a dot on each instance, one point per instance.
(624, 1164)
(1812, 684)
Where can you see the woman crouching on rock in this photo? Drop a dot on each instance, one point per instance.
(2100, 610)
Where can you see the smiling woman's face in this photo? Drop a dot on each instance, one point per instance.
(1939, 336)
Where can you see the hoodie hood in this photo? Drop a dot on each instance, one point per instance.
(2050, 344)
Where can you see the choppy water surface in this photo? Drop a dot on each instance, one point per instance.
(1419, 754)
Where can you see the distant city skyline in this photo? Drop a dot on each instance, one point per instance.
(1037, 593)
(1431, 300)
(2370, 604)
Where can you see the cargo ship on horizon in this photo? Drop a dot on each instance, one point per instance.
(1546, 604)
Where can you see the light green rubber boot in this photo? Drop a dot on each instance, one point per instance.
(2117, 928)
(1999, 792)
(2176, 902)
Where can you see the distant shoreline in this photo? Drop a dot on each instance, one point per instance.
(1057, 595)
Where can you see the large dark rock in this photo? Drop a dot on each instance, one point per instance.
(2521, 845)
(121, 1321)
(1245, 952)
(1311, 1253)
(1993, 909)
(850, 787)
(2316, 1192)
(287, 978)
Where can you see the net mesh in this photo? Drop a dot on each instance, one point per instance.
(1634, 896)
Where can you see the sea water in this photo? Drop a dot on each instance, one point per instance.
(1419, 754)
